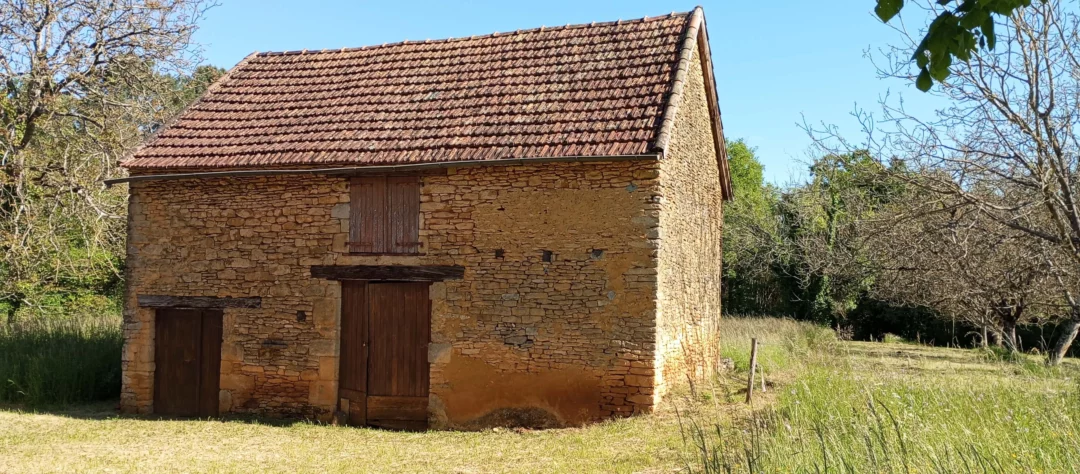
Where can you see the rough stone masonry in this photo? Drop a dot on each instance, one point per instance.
(582, 281)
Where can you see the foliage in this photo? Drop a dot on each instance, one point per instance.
(750, 283)
(52, 361)
(85, 82)
(797, 251)
(826, 248)
(953, 34)
(875, 317)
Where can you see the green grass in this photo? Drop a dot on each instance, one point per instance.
(49, 362)
(898, 407)
(99, 441)
(830, 406)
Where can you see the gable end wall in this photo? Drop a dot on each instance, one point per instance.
(691, 223)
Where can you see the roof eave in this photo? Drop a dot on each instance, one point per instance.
(374, 169)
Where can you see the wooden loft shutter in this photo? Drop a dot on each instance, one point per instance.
(384, 215)
(367, 215)
(404, 193)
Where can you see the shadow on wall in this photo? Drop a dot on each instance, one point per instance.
(527, 417)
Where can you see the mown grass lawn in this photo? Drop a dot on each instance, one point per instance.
(94, 440)
(830, 407)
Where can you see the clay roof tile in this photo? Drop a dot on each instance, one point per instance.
(599, 89)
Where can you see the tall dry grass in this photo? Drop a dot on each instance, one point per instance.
(60, 361)
(844, 412)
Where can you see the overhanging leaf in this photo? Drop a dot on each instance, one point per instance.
(887, 9)
(988, 33)
(924, 82)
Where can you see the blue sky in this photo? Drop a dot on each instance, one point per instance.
(776, 61)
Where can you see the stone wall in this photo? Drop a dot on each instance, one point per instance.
(691, 222)
(517, 339)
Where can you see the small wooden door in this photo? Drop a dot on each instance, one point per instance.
(187, 360)
(385, 330)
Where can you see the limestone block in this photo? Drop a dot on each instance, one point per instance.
(232, 352)
(439, 353)
(324, 347)
(237, 382)
(340, 211)
(323, 394)
(328, 368)
(224, 401)
(326, 313)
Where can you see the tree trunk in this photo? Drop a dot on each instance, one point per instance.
(1064, 341)
(1011, 342)
(1008, 316)
(1008, 335)
(13, 304)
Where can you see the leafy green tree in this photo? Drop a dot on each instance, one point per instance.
(84, 82)
(750, 237)
(823, 219)
(63, 245)
(959, 28)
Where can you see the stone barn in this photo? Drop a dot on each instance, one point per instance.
(520, 228)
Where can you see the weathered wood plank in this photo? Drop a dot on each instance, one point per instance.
(210, 362)
(399, 328)
(404, 214)
(206, 302)
(388, 272)
(397, 408)
(177, 355)
(368, 229)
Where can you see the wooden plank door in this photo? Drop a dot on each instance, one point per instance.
(398, 369)
(187, 360)
(386, 328)
(352, 369)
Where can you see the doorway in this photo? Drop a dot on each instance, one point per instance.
(384, 371)
(187, 359)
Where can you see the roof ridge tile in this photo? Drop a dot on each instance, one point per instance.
(620, 22)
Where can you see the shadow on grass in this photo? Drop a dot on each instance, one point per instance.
(105, 410)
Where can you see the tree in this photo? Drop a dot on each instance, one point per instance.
(1007, 146)
(827, 256)
(954, 34)
(84, 81)
(750, 236)
(50, 49)
(951, 258)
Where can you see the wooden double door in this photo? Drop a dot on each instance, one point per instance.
(384, 371)
(187, 361)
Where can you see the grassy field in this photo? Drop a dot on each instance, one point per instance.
(830, 407)
(60, 361)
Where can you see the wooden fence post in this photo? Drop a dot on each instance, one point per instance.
(753, 368)
(762, 369)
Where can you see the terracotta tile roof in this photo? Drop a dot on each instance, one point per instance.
(585, 90)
